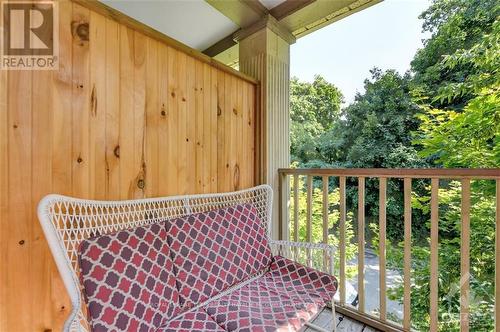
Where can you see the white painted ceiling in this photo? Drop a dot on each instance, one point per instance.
(192, 22)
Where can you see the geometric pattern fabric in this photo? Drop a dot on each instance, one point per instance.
(196, 320)
(214, 250)
(138, 279)
(285, 298)
(128, 279)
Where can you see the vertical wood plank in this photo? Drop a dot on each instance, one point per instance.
(112, 105)
(361, 243)
(97, 86)
(309, 217)
(325, 209)
(154, 109)
(224, 132)
(407, 254)
(213, 129)
(127, 117)
(191, 121)
(172, 170)
(165, 146)
(182, 172)
(62, 154)
(245, 141)
(4, 194)
(238, 137)
(342, 238)
(382, 221)
(81, 103)
(434, 254)
(296, 209)
(18, 231)
(465, 257)
(251, 134)
(137, 186)
(233, 123)
(201, 156)
(41, 158)
(325, 219)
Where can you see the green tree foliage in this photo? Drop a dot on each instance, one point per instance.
(314, 108)
(462, 137)
(468, 137)
(445, 113)
(454, 25)
(374, 130)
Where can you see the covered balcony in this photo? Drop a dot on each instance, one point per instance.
(165, 98)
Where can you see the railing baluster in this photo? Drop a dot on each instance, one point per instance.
(434, 254)
(342, 235)
(382, 254)
(325, 219)
(407, 254)
(408, 175)
(465, 257)
(296, 212)
(309, 218)
(497, 258)
(361, 243)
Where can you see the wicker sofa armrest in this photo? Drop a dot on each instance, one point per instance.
(315, 255)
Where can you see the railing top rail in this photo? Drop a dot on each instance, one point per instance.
(426, 173)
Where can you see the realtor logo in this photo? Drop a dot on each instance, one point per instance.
(30, 36)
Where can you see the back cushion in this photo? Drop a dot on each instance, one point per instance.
(128, 280)
(214, 250)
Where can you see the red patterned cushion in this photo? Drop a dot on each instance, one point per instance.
(300, 282)
(197, 320)
(128, 280)
(214, 250)
(255, 307)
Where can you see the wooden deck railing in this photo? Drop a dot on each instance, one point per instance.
(381, 321)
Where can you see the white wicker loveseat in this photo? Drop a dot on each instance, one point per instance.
(197, 262)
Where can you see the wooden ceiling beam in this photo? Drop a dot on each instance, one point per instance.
(289, 7)
(295, 17)
(242, 12)
(220, 46)
(235, 11)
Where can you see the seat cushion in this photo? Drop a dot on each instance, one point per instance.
(214, 250)
(197, 320)
(128, 280)
(255, 307)
(300, 282)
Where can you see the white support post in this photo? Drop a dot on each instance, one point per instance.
(265, 55)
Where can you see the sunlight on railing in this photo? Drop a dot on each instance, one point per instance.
(339, 207)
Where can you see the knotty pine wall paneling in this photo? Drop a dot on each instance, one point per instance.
(127, 115)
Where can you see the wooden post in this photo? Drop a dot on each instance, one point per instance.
(265, 55)
(342, 242)
(361, 243)
(296, 212)
(382, 240)
(465, 257)
(407, 255)
(309, 218)
(434, 254)
(326, 226)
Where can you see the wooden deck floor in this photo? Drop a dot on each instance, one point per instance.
(344, 323)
